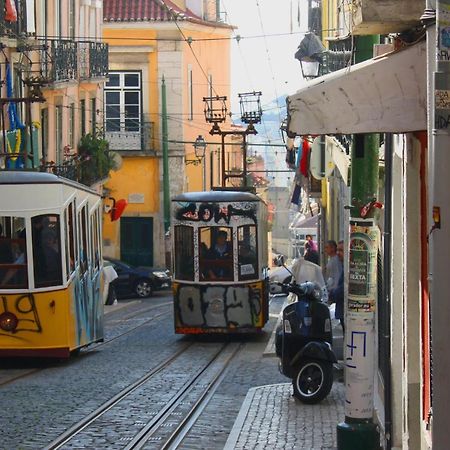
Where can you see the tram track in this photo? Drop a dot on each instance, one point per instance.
(168, 426)
(5, 379)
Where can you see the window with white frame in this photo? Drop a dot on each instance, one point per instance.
(123, 102)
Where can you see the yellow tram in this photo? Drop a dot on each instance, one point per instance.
(50, 265)
(220, 274)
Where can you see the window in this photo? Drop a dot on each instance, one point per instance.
(247, 253)
(46, 250)
(59, 133)
(184, 253)
(57, 21)
(69, 221)
(83, 117)
(95, 242)
(123, 102)
(13, 253)
(71, 19)
(44, 133)
(93, 114)
(72, 125)
(83, 239)
(216, 254)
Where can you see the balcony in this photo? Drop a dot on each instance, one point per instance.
(387, 16)
(59, 60)
(132, 142)
(93, 59)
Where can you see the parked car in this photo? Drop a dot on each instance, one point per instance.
(139, 281)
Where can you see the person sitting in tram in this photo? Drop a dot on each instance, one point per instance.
(221, 252)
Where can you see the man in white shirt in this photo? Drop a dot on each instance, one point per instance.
(334, 266)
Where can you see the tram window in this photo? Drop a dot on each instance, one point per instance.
(95, 251)
(13, 253)
(83, 240)
(248, 256)
(70, 239)
(216, 253)
(46, 237)
(184, 253)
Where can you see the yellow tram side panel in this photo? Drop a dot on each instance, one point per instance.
(258, 320)
(50, 323)
(43, 324)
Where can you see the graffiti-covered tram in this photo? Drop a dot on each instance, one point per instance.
(219, 249)
(50, 265)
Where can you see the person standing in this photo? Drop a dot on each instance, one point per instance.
(334, 268)
(336, 295)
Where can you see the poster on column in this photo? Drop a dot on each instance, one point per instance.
(360, 319)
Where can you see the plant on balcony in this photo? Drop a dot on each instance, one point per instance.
(96, 160)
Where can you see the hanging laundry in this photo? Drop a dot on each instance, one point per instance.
(304, 161)
(11, 11)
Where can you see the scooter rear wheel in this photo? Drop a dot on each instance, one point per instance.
(312, 380)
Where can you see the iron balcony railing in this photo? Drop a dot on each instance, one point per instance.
(140, 140)
(93, 59)
(65, 60)
(59, 60)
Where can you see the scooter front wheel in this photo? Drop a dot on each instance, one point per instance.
(312, 380)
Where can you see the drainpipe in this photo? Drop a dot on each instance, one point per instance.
(358, 431)
(439, 237)
(165, 148)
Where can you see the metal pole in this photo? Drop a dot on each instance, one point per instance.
(165, 148)
(244, 162)
(439, 235)
(223, 159)
(358, 431)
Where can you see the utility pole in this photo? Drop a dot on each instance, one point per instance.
(165, 148)
(358, 431)
(439, 241)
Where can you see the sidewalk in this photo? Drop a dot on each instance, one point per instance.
(271, 418)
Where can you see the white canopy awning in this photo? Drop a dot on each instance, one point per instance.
(384, 94)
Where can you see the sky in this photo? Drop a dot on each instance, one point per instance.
(265, 64)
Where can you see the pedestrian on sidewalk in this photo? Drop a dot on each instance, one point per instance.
(336, 295)
(334, 268)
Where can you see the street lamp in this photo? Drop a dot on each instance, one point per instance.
(310, 53)
(199, 151)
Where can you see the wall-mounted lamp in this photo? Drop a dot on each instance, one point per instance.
(199, 150)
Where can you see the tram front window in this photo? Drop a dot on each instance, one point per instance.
(184, 253)
(216, 254)
(13, 253)
(46, 250)
(247, 257)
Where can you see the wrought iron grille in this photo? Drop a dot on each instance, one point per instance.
(98, 59)
(60, 60)
(141, 140)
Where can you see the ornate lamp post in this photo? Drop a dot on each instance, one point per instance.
(311, 53)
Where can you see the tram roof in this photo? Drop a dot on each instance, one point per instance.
(30, 177)
(216, 196)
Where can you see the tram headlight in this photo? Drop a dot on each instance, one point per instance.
(216, 306)
(8, 321)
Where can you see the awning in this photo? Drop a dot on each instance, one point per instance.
(384, 94)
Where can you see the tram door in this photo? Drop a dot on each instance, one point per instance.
(136, 240)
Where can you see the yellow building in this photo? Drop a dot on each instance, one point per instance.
(149, 40)
(58, 65)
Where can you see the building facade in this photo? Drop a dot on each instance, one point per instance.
(178, 42)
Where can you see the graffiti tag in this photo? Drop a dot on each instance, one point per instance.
(208, 212)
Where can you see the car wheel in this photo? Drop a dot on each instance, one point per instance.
(143, 288)
(312, 381)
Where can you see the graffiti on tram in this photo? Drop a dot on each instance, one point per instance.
(23, 307)
(219, 306)
(207, 212)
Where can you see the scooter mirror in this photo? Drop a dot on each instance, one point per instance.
(279, 260)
